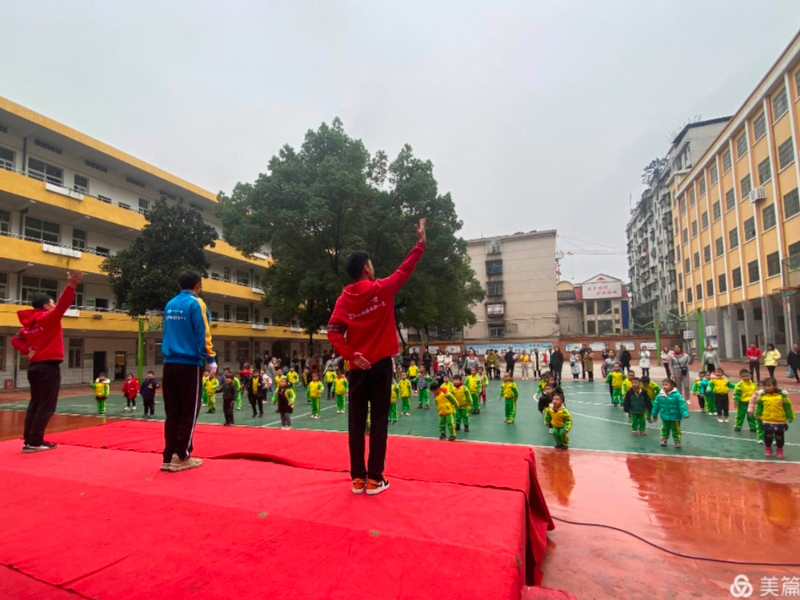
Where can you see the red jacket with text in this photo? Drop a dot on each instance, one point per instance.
(363, 318)
(41, 330)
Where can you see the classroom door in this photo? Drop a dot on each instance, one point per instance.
(119, 366)
(99, 364)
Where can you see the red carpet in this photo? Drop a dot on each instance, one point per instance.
(108, 524)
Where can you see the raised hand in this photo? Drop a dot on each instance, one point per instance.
(421, 231)
(73, 279)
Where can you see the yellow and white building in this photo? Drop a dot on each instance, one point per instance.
(66, 202)
(736, 216)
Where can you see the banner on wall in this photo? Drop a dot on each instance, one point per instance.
(628, 345)
(648, 346)
(481, 349)
(453, 349)
(597, 346)
(573, 347)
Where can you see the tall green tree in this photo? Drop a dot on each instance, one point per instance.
(144, 275)
(331, 197)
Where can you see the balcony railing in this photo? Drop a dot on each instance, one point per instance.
(88, 249)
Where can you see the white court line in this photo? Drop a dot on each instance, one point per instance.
(298, 416)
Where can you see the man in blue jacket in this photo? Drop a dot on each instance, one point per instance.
(186, 344)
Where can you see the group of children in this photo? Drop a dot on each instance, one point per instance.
(130, 390)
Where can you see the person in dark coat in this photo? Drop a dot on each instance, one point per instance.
(557, 363)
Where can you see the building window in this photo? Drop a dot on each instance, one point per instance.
(714, 174)
(689, 295)
(144, 205)
(75, 360)
(741, 145)
(77, 302)
(746, 186)
(159, 354)
(494, 247)
(591, 328)
(685, 235)
(707, 254)
(227, 351)
(719, 247)
(33, 286)
(80, 184)
(749, 229)
(753, 275)
(6, 159)
(495, 288)
(780, 104)
(677, 225)
(226, 313)
(736, 275)
(785, 154)
(242, 314)
(723, 283)
(797, 80)
(726, 161)
(702, 186)
(604, 327)
(733, 238)
(716, 210)
(687, 265)
(730, 200)
(603, 307)
(791, 203)
(683, 206)
(764, 171)
(768, 217)
(494, 267)
(45, 231)
(242, 351)
(794, 249)
(692, 199)
(102, 304)
(590, 307)
(694, 229)
(773, 264)
(680, 281)
(709, 288)
(496, 309)
(5, 221)
(3, 287)
(101, 251)
(760, 126)
(41, 170)
(78, 239)
(696, 260)
(242, 277)
(704, 220)
(497, 331)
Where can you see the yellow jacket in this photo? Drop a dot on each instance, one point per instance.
(341, 387)
(210, 386)
(617, 378)
(473, 383)
(101, 388)
(315, 389)
(461, 394)
(558, 418)
(744, 391)
(395, 393)
(445, 402)
(771, 358)
(413, 371)
(404, 385)
(509, 390)
(448, 386)
(720, 386)
(775, 409)
(293, 377)
(330, 376)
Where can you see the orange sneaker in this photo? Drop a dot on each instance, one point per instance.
(376, 487)
(359, 485)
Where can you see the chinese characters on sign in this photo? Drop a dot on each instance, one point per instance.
(601, 289)
(784, 587)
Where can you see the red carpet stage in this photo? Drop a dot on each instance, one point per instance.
(269, 514)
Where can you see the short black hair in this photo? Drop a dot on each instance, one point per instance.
(188, 280)
(434, 385)
(40, 300)
(356, 262)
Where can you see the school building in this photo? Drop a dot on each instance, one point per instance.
(67, 201)
(737, 222)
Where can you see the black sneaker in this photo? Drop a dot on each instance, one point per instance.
(50, 445)
(458, 427)
(452, 438)
(441, 437)
(28, 448)
(466, 428)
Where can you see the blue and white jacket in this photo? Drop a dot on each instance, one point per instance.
(187, 333)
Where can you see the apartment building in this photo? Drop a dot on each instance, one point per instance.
(518, 273)
(67, 201)
(651, 244)
(599, 306)
(736, 224)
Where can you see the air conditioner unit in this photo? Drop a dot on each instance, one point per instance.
(711, 330)
(759, 193)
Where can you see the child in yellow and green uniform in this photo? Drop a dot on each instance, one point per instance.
(558, 419)
(774, 409)
(340, 386)
(101, 389)
(413, 372)
(393, 405)
(699, 389)
(463, 403)
(651, 387)
(473, 383)
(510, 393)
(638, 405)
(293, 378)
(314, 391)
(210, 386)
(423, 383)
(672, 408)
(616, 378)
(446, 383)
(405, 393)
(721, 386)
(446, 407)
(742, 393)
(484, 383)
(330, 378)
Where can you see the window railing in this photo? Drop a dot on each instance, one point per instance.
(37, 240)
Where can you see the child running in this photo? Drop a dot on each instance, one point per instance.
(341, 386)
(509, 393)
(314, 392)
(130, 389)
(148, 392)
(463, 403)
(473, 383)
(558, 419)
(616, 378)
(720, 384)
(742, 394)
(423, 384)
(405, 394)
(446, 407)
(284, 397)
(774, 410)
(637, 404)
(101, 389)
(672, 407)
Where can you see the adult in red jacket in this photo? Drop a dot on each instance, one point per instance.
(753, 358)
(362, 329)
(42, 340)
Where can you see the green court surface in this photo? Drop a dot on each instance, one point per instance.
(597, 425)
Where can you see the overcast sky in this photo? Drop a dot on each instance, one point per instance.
(536, 115)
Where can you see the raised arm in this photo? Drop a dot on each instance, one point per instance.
(393, 282)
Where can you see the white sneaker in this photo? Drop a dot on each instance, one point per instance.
(126, 409)
(719, 420)
(376, 487)
(726, 419)
(182, 465)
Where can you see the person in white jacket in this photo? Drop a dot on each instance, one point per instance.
(644, 362)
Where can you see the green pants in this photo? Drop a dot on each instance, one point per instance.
(759, 429)
(446, 425)
(393, 411)
(560, 436)
(462, 415)
(674, 427)
(638, 422)
(212, 402)
(315, 406)
(406, 401)
(239, 400)
(741, 414)
(101, 406)
(711, 403)
(616, 395)
(511, 409)
(424, 399)
(204, 396)
(476, 401)
(339, 401)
